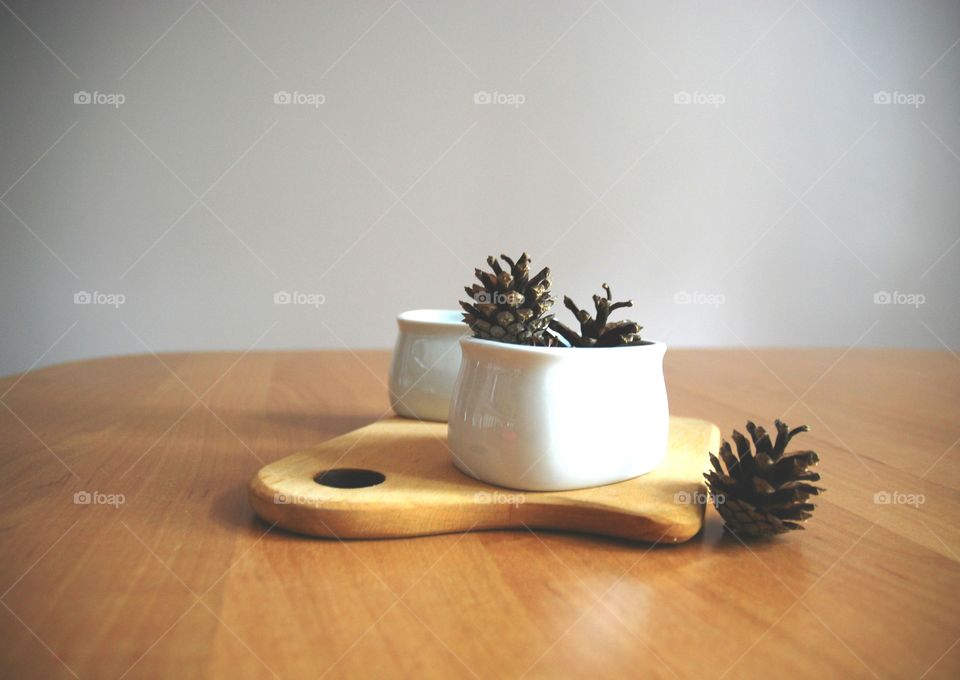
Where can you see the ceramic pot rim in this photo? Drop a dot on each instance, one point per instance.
(432, 320)
(492, 347)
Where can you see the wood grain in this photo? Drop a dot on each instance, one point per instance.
(400, 481)
(182, 580)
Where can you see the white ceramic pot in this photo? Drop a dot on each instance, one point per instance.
(425, 362)
(556, 418)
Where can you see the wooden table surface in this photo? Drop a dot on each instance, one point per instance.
(167, 573)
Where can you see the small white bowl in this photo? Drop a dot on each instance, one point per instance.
(425, 362)
(558, 418)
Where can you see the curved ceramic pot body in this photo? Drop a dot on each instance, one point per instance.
(425, 362)
(556, 418)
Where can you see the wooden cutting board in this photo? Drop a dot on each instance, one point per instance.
(396, 478)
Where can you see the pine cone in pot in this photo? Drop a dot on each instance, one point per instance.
(598, 331)
(763, 491)
(510, 306)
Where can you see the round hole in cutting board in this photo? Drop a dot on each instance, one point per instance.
(349, 478)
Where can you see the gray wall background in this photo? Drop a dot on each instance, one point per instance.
(748, 172)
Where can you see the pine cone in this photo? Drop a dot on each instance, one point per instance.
(596, 332)
(510, 306)
(763, 492)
